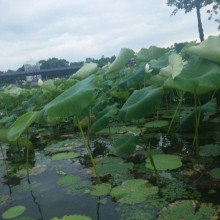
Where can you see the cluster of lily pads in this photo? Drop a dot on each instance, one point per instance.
(159, 91)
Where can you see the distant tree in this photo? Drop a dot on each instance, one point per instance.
(76, 64)
(10, 71)
(188, 6)
(53, 63)
(214, 11)
(21, 69)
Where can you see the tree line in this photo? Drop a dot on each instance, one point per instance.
(61, 63)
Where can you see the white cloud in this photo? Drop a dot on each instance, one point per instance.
(74, 30)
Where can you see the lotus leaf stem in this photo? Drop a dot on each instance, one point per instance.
(89, 151)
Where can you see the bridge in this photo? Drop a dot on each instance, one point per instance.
(45, 74)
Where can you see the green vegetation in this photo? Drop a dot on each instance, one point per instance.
(126, 133)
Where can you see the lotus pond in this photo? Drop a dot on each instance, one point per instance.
(136, 139)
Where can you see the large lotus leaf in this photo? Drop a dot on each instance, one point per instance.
(160, 62)
(72, 101)
(125, 144)
(215, 173)
(164, 162)
(175, 66)
(72, 217)
(86, 70)
(124, 56)
(187, 209)
(141, 103)
(133, 191)
(198, 76)
(101, 189)
(6, 100)
(134, 78)
(210, 150)
(208, 49)
(152, 53)
(13, 212)
(21, 124)
(102, 119)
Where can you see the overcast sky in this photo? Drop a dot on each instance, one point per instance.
(77, 29)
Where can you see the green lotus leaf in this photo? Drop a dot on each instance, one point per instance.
(65, 155)
(133, 79)
(102, 119)
(208, 49)
(175, 66)
(13, 212)
(72, 101)
(124, 56)
(152, 53)
(21, 124)
(210, 150)
(141, 103)
(215, 173)
(187, 209)
(101, 189)
(72, 217)
(198, 76)
(125, 144)
(156, 124)
(164, 162)
(69, 180)
(86, 70)
(133, 191)
(113, 165)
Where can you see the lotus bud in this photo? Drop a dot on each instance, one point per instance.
(40, 82)
(147, 68)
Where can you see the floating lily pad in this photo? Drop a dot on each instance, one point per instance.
(72, 217)
(187, 209)
(69, 180)
(156, 124)
(133, 191)
(62, 146)
(210, 150)
(65, 156)
(13, 212)
(74, 184)
(34, 171)
(114, 166)
(215, 173)
(120, 130)
(101, 189)
(164, 162)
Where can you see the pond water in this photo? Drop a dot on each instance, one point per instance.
(45, 194)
